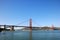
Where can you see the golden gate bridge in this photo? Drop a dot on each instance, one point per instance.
(12, 26)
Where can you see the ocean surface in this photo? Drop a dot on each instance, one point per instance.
(30, 35)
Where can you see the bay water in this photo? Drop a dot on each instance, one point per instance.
(30, 35)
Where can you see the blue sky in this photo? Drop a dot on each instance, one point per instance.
(42, 12)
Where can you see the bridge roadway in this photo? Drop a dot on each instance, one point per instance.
(14, 26)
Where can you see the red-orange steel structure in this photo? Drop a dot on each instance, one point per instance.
(52, 27)
(30, 24)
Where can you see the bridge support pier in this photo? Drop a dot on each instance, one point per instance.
(4, 27)
(12, 28)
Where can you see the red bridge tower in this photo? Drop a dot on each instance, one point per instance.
(30, 24)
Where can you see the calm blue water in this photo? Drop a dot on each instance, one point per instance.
(28, 35)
